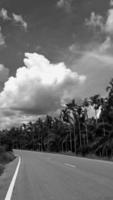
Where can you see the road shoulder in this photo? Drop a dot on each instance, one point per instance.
(6, 178)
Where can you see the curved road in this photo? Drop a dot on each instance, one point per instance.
(45, 176)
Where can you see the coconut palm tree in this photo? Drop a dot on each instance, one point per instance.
(67, 116)
(85, 106)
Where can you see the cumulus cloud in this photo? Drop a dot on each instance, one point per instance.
(95, 21)
(103, 50)
(2, 39)
(40, 86)
(73, 48)
(111, 2)
(18, 19)
(65, 4)
(4, 14)
(98, 21)
(106, 45)
(107, 60)
(9, 118)
(4, 73)
(109, 22)
(94, 59)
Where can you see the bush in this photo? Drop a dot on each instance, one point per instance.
(1, 169)
(8, 147)
(6, 157)
(2, 149)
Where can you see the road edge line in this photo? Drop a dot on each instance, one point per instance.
(11, 186)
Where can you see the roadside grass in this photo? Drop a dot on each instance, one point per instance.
(7, 173)
(5, 157)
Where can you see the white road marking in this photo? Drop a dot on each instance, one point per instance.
(69, 165)
(11, 187)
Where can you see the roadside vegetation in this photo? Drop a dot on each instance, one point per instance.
(6, 156)
(72, 131)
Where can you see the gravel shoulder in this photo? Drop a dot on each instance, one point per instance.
(6, 177)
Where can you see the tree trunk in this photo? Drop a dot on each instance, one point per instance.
(80, 134)
(87, 142)
(70, 140)
(104, 128)
(74, 138)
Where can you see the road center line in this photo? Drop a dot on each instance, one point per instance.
(11, 187)
(69, 165)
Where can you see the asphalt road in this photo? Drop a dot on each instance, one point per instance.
(45, 176)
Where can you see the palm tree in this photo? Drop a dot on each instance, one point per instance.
(67, 116)
(85, 105)
(77, 112)
(73, 114)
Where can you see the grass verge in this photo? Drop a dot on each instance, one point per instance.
(5, 157)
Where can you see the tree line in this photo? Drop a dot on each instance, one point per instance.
(72, 131)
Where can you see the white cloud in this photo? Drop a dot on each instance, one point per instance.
(66, 4)
(103, 58)
(4, 73)
(9, 118)
(4, 14)
(95, 21)
(18, 19)
(111, 2)
(39, 87)
(91, 112)
(106, 45)
(109, 22)
(2, 39)
(97, 65)
(98, 21)
(73, 48)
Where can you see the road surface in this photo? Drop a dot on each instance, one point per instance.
(45, 176)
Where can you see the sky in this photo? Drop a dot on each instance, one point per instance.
(52, 51)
